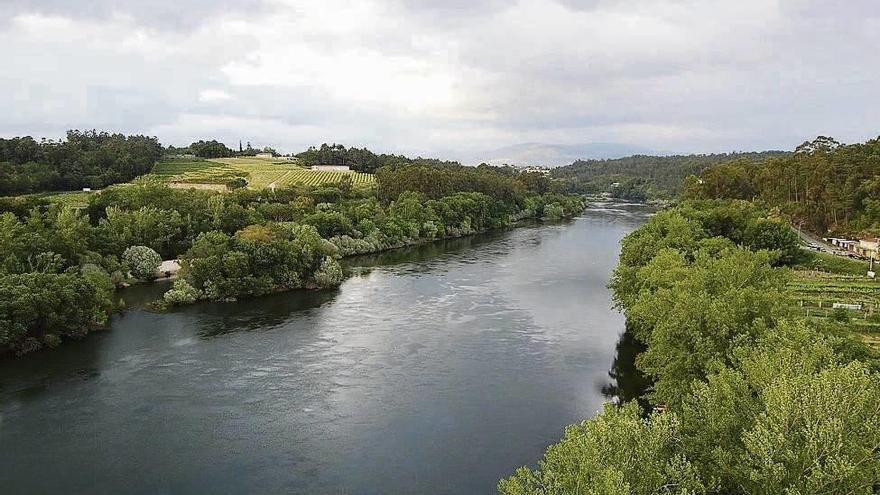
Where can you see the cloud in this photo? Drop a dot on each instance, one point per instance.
(214, 95)
(446, 78)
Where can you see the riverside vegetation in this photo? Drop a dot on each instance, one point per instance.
(59, 264)
(754, 399)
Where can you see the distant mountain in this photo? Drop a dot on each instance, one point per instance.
(554, 155)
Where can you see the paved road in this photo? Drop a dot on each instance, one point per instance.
(811, 241)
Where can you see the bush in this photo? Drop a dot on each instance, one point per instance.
(329, 274)
(553, 211)
(142, 262)
(236, 183)
(840, 315)
(182, 293)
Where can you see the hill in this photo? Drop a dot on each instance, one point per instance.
(641, 177)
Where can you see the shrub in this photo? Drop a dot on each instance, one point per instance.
(142, 262)
(554, 211)
(329, 274)
(182, 293)
(840, 315)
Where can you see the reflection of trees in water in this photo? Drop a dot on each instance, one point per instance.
(261, 313)
(28, 378)
(420, 252)
(443, 247)
(628, 382)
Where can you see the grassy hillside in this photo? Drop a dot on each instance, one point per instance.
(259, 172)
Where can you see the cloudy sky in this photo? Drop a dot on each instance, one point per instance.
(446, 78)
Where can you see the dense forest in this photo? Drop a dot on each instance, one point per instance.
(642, 177)
(238, 244)
(824, 184)
(754, 399)
(84, 159)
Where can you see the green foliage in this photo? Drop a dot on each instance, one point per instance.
(789, 417)
(182, 293)
(85, 159)
(360, 160)
(246, 242)
(210, 149)
(142, 262)
(438, 182)
(329, 274)
(37, 309)
(257, 260)
(642, 177)
(840, 315)
(755, 402)
(554, 211)
(693, 316)
(826, 184)
(617, 452)
(830, 263)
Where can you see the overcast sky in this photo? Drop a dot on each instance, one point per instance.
(445, 78)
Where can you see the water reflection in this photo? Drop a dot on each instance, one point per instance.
(628, 382)
(215, 319)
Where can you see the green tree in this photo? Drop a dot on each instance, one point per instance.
(142, 262)
(617, 452)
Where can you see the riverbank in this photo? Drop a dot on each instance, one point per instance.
(247, 243)
(426, 363)
(706, 289)
(281, 270)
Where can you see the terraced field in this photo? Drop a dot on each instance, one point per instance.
(815, 294)
(259, 172)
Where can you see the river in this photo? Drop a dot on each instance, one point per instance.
(436, 369)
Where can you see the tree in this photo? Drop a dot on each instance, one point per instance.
(210, 149)
(142, 262)
(182, 293)
(617, 452)
(84, 159)
(38, 309)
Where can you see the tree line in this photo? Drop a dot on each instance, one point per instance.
(643, 177)
(825, 184)
(84, 159)
(238, 244)
(753, 399)
(361, 159)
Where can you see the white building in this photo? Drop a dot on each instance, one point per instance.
(337, 168)
(868, 247)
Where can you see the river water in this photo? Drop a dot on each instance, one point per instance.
(437, 369)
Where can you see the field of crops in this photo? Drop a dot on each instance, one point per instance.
(814, 295)
(824, 291)
(259, 172)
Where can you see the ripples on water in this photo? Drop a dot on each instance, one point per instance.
(436, 369)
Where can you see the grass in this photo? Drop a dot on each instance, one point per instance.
(831, 263)
(259, 172)
(77, 199)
